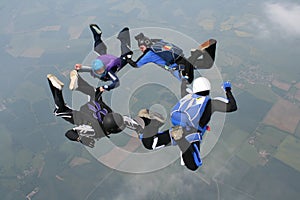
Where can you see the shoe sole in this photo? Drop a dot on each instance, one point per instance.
(73, 77)
(55, 81)
(144, 113)
(98, 30)
(151, 115)
(206, 44)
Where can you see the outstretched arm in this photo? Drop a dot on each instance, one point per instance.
(142, 60)
(219, 104)
(82, 68)
(225, 105)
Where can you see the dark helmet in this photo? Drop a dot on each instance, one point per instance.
(113, 123)
(143, 40)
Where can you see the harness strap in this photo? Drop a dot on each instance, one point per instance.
(97, 111)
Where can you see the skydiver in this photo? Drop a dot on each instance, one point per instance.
(94, 119)
(171, 57)
(105, 66)
(190, 118)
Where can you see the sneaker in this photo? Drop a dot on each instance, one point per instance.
(151, 115)
(207, 44)
(136, 124)
(55, 82)
(144, 113)
(74, 79)
(96, 28)
(177, 132)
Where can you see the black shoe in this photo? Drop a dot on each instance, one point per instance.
(210, 47)
(96, 29)
(124, 36)
(124, 33)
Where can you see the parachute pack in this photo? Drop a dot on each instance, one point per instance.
(167, 51)
(188, 111)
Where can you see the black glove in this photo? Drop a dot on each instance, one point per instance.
(87, 141)
(127, 55)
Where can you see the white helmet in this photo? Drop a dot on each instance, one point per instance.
(201, 84)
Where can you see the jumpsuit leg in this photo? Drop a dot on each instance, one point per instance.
(207, 57)
(61, 109)
(190, 153)
(99, 45)
(188, 68)
(85, 87)
(124, 38)
(153, 139)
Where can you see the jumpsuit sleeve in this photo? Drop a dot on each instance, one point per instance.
(225, 106)
(218, 105)
(142, 60)
(115, 81)
(85, 69)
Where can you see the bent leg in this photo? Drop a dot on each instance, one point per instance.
(155, 140)
(57, 96)
(204, 63)
(61, 109)
(124, 37)
(190, 153)
(99, 45)
(85, 87)
(204, 58)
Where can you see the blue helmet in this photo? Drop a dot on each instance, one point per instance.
(97, 64)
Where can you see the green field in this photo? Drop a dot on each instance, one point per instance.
(232, 137)
(262, 92)
(288, 152)
(297, 131)
(269, 138)
(249, 154)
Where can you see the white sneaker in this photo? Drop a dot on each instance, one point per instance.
(133, 124)
(55, 82)
(96, 28)
(151, 115)
(74, 78)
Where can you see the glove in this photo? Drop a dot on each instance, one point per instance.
(129, 55)
(226, 86)
(87, 141)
